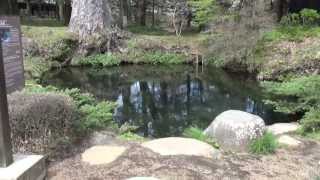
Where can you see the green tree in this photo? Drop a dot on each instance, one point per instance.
(204, 11)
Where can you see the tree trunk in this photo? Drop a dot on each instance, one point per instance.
(90, 17)
(142, 8)
(91, 21)
(60, 4)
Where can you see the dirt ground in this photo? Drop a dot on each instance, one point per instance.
(302, 163)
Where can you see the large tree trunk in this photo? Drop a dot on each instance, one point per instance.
(90, 17)
(91, 21)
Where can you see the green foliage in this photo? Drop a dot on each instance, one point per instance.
(91, 114)
(298, 95)
(311, 122)
(197, 133)
(291, 19)
(35, 67)
(97, 116)
(295, 95)
(291, 33)
(158, 57)
(204, 9)
(129, 136)
(267, 144)
(100, 60)
(306, 17)
(310, 16)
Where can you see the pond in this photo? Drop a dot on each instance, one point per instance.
(164, 100)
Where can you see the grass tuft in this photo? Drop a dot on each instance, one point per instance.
(267, 144)
(197, 133)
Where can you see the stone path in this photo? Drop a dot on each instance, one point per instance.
(181, 146)
(98, 155)
(289, 141)
(283, 128)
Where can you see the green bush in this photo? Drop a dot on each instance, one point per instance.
(163, 58)
(97, 116)
(311, 121)
(295, 95)
(205, 11)
(309, 16)
(91, 114)
(103, 60)
(267, 144)
(306, 17)
(291, 19)
(197, 133)
(129, 136)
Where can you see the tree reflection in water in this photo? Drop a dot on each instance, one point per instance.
(162, 101)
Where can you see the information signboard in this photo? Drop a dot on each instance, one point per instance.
(12, 53)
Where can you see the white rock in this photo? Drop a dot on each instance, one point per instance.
(98, 155)
(181, 146)
(289, 141)
(283, 128)
(234, 130)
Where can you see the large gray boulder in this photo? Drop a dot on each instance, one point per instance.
(234, 130)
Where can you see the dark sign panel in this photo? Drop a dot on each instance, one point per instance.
(12, 52)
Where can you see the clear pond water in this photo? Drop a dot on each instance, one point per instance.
(164, 100)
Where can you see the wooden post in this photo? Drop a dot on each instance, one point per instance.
(5, 140)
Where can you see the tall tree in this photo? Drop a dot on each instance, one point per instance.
(142, 12)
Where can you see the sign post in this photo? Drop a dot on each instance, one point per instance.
(5, 141)
(11, 79)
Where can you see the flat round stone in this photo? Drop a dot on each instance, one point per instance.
(98, 155)
(181, 146)
(289, 141)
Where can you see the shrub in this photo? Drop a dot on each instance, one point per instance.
(309, 16)
(129, 136)
(311, 122)
(39, 122)
(103, 60)
(158, 57)
(267, 144)
(196, 133)
(97, 116)
(295, 95)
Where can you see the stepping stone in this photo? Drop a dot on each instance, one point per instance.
(283, 128)
(181, 146)
(142, 178)
(289, 141)
(98, 155)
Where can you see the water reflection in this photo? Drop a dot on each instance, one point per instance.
(163, 101)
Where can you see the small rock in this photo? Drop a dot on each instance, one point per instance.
(283, 128)
(181, 146)
(289, 141)
(98, 155)
(233, 130)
